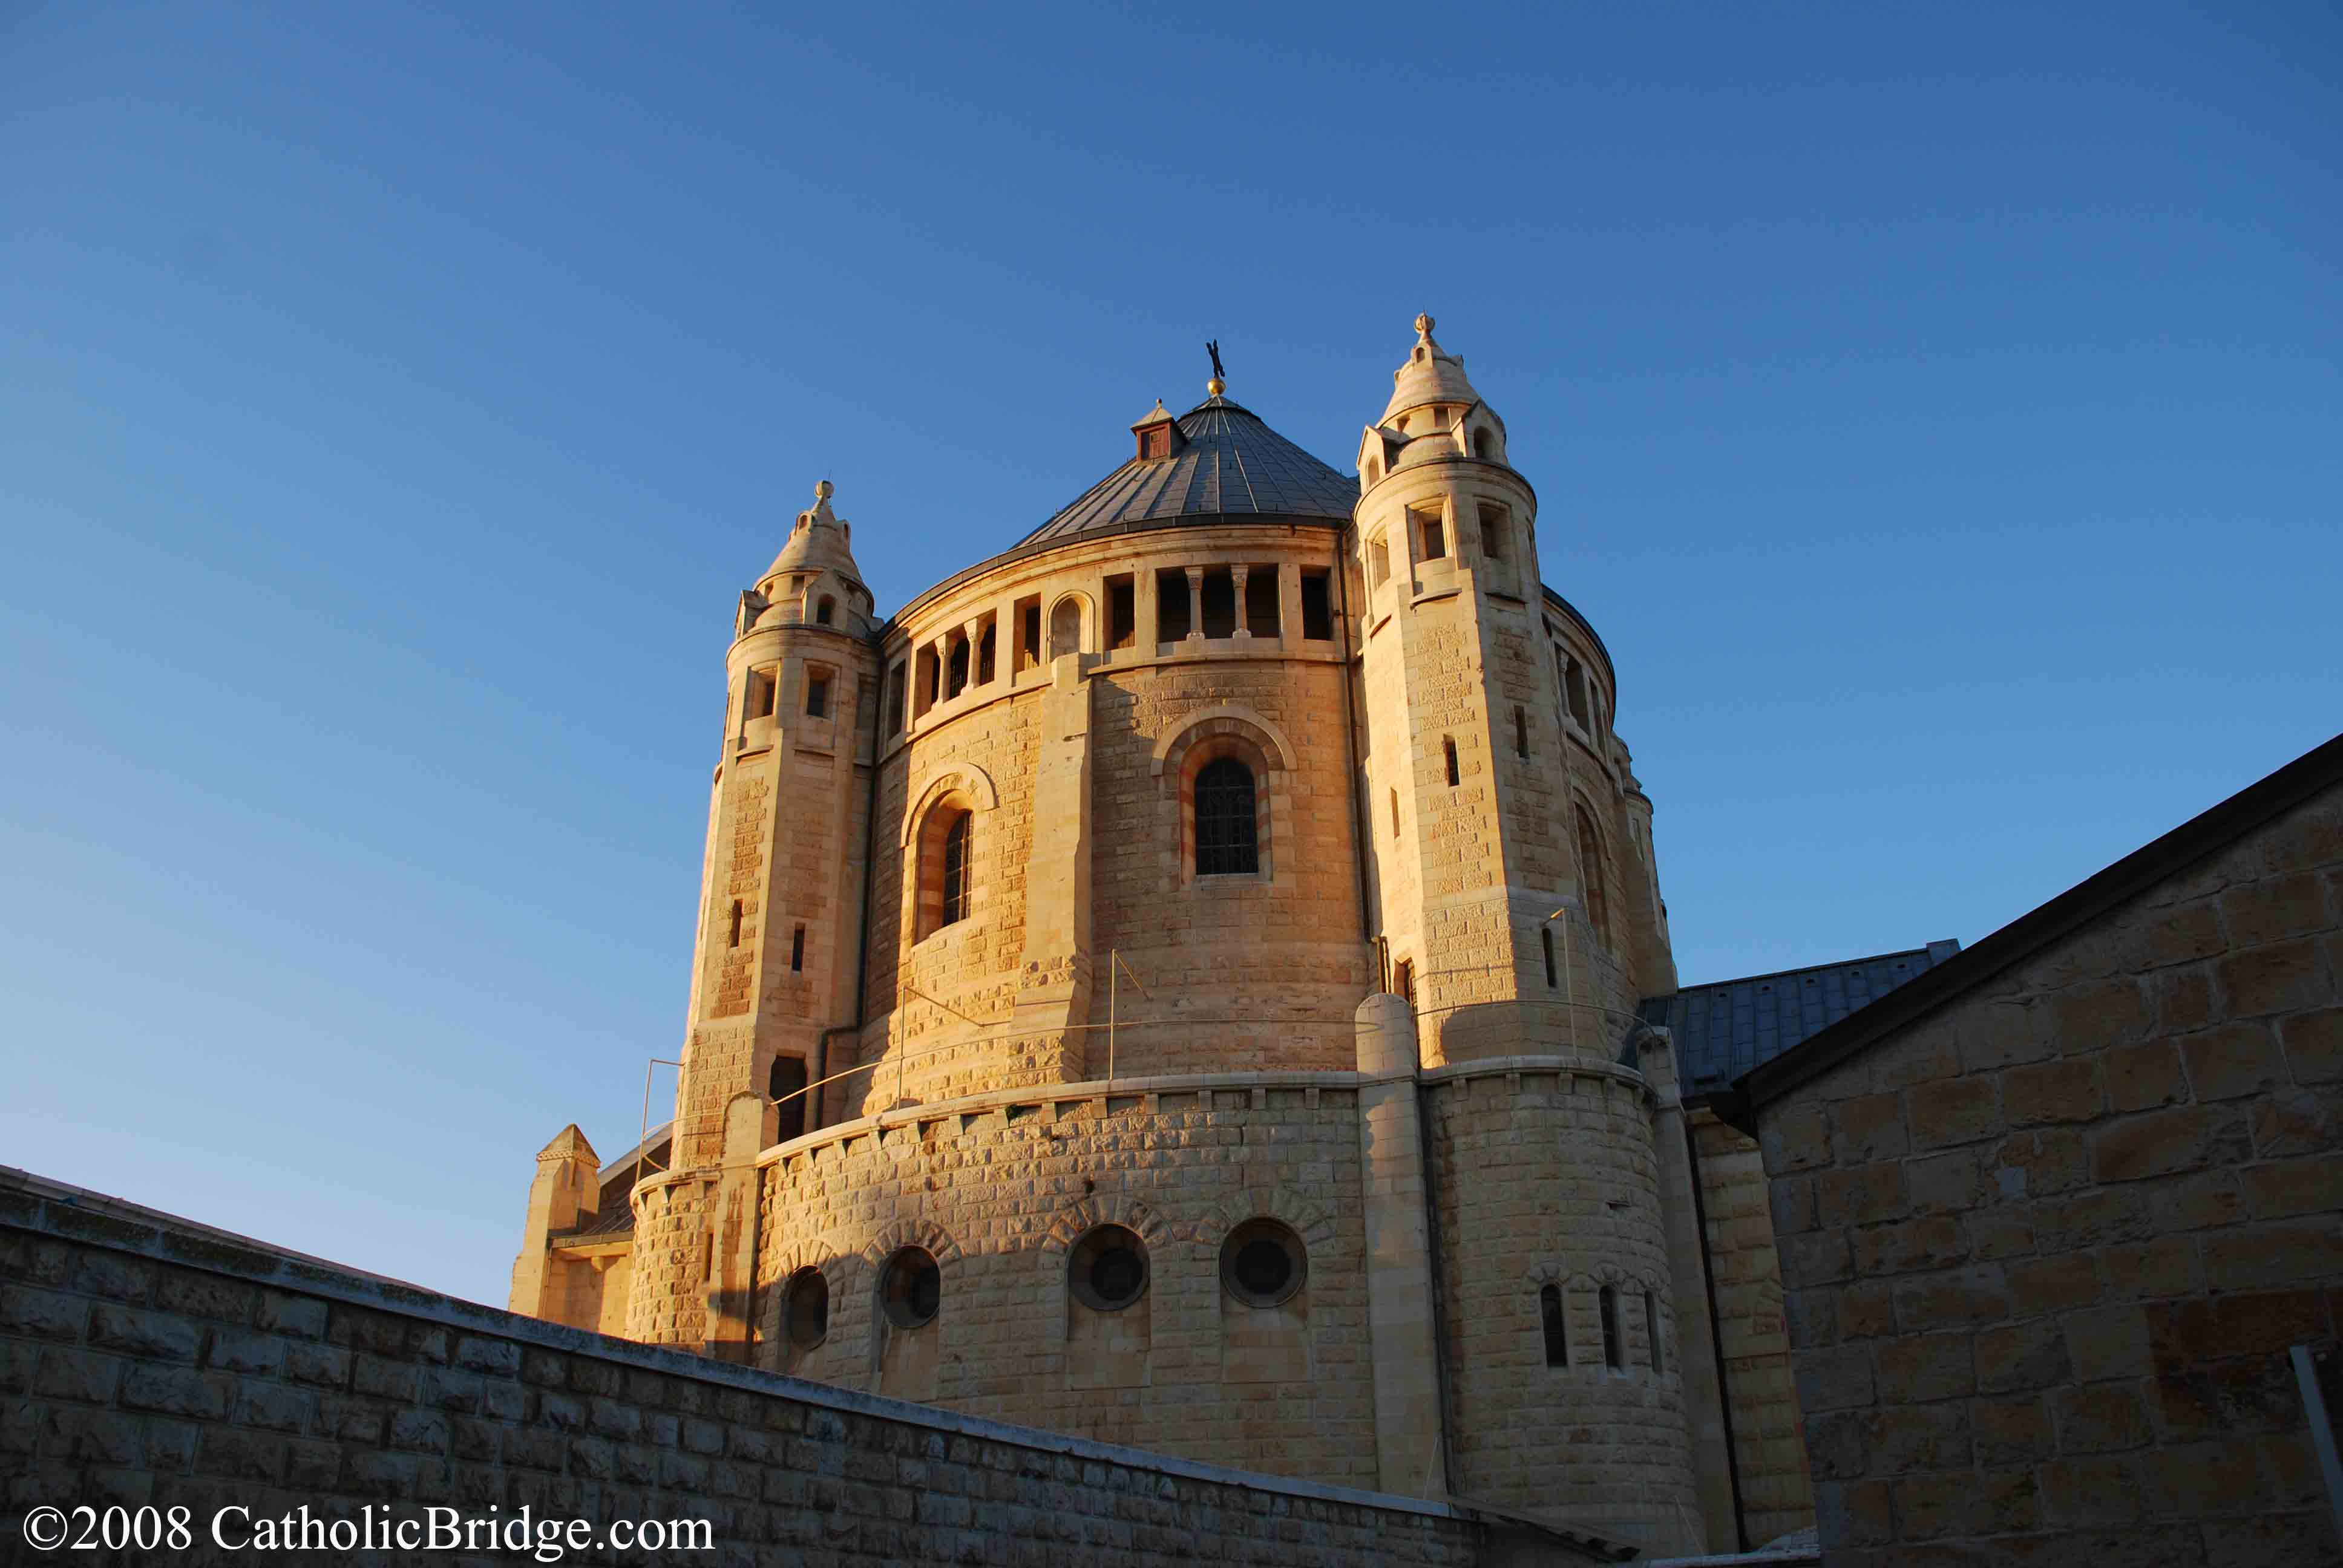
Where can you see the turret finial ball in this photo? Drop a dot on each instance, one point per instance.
(822, 491)
(1424, 323)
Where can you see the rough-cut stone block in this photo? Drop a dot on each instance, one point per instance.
(1833, 1379)
(2103, 1013)
(2161, 1142)
(2313, 1042)
(1933, 1241)
(2052, 1284)
(2232, 1060)
(2016, 1357)
(1862, 1196)
(1954, 1111)
(1917, 1368)
(2282, 977)
(2011, 1430)
(2068, 1090)
(1866, 1128)
(2167, 1266)
(1967, 1503)
(1945, 1183)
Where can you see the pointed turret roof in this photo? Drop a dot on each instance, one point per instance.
(1431, 375)
(570, 1143)
(817, 542)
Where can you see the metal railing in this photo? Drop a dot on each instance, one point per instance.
(1113, 1026)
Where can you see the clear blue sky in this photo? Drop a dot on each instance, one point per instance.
(1935, 408)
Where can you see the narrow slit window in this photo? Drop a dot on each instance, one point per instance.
(1394, 809)
(1448, 750)
(1557, 1342)
(1545, 943)
(734, 940)
(797, 950)
(1520, 732)
(1403, 981)
(1609, 1302)
(785, 1088)
(1652, 1330)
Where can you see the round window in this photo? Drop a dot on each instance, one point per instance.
(1107, 1268)
(805, 1308)
(909, 1288)
(1262, 1262)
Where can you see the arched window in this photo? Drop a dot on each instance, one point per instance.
(1403, 981)
(1589, 868)
(1374, 472)
(1448, 747)
(1609, 1302)
(1226, 842)
(1483, 444)
(824, 610)
(956, 870)
(1066, 627)
(1557, 1344)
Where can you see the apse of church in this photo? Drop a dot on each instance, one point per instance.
(1176, 980)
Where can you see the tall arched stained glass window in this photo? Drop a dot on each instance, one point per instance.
(1225, 840)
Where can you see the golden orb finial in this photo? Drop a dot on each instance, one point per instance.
(1424, 323)
(823, 491)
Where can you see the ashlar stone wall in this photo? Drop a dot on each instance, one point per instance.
(2046, 1249)
(998, 1188)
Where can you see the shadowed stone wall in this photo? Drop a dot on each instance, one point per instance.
(2046, 1246)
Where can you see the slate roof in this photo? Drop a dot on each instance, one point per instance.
(1232, 464)
(1725, 1028)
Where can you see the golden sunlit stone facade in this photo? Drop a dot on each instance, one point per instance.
(1213, 928)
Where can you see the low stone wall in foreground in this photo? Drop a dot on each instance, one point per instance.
(150, 1363)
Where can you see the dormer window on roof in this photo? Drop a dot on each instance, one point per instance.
(1159, 434)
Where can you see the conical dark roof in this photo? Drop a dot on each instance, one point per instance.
(1232, 464)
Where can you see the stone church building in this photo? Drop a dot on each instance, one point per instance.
(1198, 978)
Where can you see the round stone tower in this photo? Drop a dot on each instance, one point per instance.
(774, 970)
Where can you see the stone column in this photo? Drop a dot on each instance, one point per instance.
(1696, 1341)
(1408, 1427)
(1237, 576)
(1053, 982)
(1196, 604)
(974, 630)
(748, 1128)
